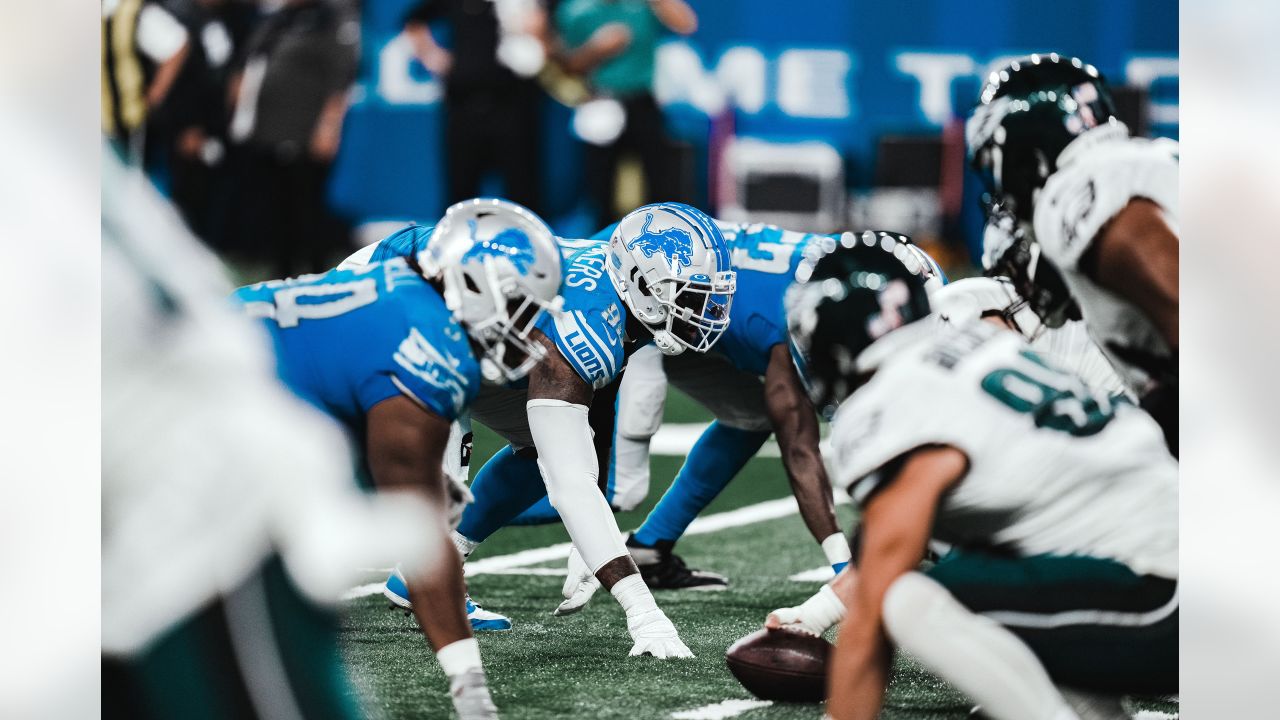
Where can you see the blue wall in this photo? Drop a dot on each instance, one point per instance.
(843, 72)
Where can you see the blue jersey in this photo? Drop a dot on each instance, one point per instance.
(349, 339)
(588, 331)
(765, 259)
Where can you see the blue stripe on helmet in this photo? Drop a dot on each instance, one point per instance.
(711, 232)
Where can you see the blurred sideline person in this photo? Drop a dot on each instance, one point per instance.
(144, 48)
(289, 100)
(1060, 507)
(614, 43)
(1092, 217)
(395, 351)
(752, 386)
(663, 278)
(229, 521)
(491, 112)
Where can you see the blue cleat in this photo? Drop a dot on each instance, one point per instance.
(397, 591)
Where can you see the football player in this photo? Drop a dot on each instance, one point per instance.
(1060, 506)
(751, 385)
(663, 277)
(1093, 217)
(395, 350)
(230, 525)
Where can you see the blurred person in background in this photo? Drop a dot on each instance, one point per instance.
(491, 101)
(144, 48)
(614, 43)
(289, 99)
(195, 115)
(230, 524)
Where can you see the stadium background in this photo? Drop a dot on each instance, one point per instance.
(857, 76)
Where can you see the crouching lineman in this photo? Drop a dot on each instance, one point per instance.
(394, 351)
(669, 282)
(1061, 507)
(750, 383)
(1090, 217)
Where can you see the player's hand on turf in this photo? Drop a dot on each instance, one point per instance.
(654, 635)
(812, 617)
(579, 585)
(470, 694)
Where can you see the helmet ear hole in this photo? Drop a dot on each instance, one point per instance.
(641, 285)
(471, 283)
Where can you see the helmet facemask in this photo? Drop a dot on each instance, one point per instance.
(691, 314)
(499, 315)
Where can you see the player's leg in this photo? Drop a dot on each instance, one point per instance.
(724, 448)
(642, 397)
(1091, 624)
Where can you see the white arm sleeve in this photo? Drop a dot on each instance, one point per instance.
(567, 459)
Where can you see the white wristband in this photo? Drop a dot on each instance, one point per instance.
(836, 548)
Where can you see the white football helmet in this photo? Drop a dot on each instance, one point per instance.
(500, 267)
(671, 266)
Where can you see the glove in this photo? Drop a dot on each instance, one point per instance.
(654, 635)
(470, 695)
(812, 617)
(579, 585)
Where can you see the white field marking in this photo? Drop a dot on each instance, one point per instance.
(509, 564)
(818, 574)
(360, 591)
(1154, 715)
(720, 710)
(676, 439)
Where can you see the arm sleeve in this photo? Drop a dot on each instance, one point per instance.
(567, 460)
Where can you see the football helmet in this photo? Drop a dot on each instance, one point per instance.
(499, 265)
(1027, 113)
(670, 264)
(846, 296)
(1008, 252)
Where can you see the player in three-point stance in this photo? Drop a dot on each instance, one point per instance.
(1060, 506)
(1084, 217)
(395, 350)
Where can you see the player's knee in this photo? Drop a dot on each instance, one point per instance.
(912, 608)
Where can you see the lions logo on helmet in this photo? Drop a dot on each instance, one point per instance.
(671, 266)
(672, 242)
(509, 243)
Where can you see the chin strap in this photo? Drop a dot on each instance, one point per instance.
(667, 342)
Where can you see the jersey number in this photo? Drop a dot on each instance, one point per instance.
(1056, 408)
(341, 298)
(752, 252)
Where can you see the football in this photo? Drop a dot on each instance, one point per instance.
(781, 665)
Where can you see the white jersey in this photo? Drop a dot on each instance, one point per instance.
(1053, 468)
(1098, 175)
(1069, 347)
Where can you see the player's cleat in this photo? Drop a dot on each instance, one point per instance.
(470, 695)
(662, 569)
(397, 591)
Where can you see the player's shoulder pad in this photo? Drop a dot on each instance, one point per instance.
(405, 242)
(1095, 185)
(432, 361)
(588, 330)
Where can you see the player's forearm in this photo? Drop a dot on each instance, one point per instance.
(859, 671)
(166, 75)
(812, 490)
(1136, 257)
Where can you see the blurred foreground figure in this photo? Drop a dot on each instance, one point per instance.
(1060, 507)
(1084, 217)
(229, 521)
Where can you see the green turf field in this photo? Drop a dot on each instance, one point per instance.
(577, 666)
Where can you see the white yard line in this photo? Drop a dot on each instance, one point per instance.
(720, 710)
(1154, 715)
(517, 563)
